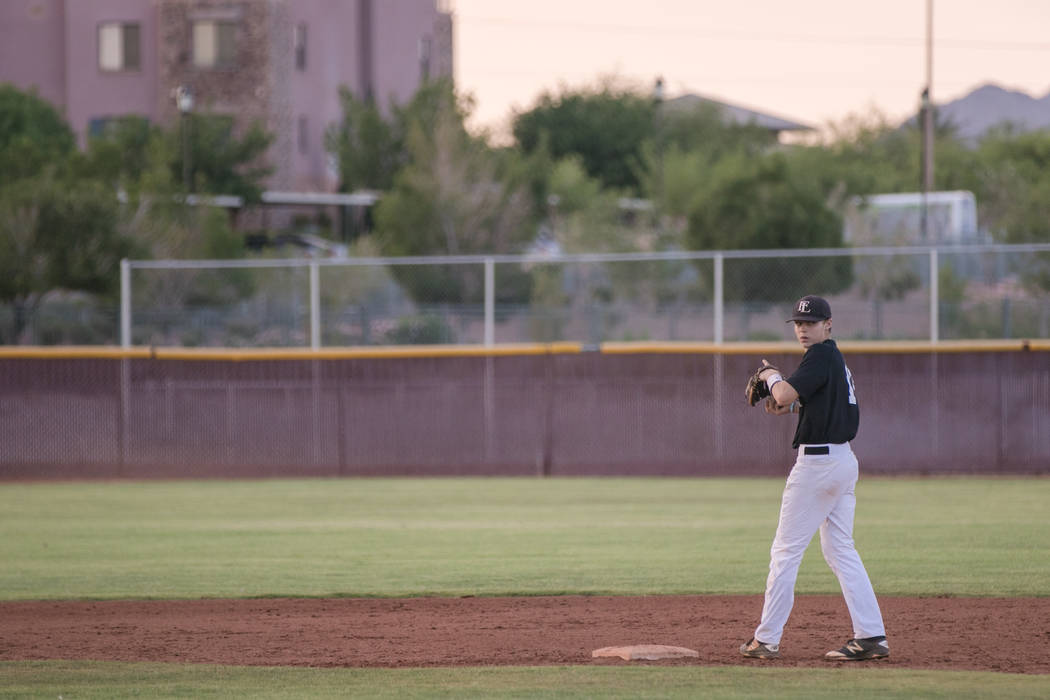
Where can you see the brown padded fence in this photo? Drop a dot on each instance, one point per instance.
(536, 410)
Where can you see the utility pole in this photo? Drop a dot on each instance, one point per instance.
(927, 124)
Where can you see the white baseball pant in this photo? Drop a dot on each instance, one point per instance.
(819, 496)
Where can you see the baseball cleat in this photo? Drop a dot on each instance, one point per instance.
(759, 650)
(860, 650)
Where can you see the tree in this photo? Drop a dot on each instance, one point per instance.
(57, 234)
(221, 160)
(761, 204)
(455, 196)
(1011, 179)
(58, 229)
(584, 217)
(867, 154)
(121, 154)
(372, 147)
(139, 160)
(1012, 183)
(33, 135)
(863, 155)
(705, 128)
(368, 147)
(606, 127)
(687, 144)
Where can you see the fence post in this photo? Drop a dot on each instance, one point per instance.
(719, 299)
(935, 301)
(490, 302)
(125, 303)
(124, 431)
(545, 460)
(315, 306)
(490, 378)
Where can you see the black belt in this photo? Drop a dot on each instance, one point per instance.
(815, 450)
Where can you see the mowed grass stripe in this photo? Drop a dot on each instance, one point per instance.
(491, 536)
(116, 681)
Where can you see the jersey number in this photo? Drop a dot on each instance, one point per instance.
(852, 389)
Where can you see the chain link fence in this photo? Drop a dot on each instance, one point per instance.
(907, 293)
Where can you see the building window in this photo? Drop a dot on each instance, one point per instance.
(214, 44)
(303, 135)
(300, 46)
(97, 126)
(118, 46)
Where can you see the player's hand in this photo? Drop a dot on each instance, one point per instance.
(763, 374)
(775, 409)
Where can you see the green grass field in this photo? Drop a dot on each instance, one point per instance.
(406, 537)
(106, 681)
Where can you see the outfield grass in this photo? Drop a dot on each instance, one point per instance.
(407, 537)
(116, 681)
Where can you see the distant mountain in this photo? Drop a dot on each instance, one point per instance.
(991, 105)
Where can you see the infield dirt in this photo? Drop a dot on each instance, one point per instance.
(986, 634)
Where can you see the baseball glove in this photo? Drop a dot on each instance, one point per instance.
(756, 388)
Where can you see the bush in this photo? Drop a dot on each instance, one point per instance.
(428, 329)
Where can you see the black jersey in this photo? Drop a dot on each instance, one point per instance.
(828, 400)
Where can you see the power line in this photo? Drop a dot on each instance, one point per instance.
(736, 35)
(717, 78)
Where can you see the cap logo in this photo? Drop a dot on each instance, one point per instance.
(803, 306)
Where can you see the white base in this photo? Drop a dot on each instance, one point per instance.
(646, 652)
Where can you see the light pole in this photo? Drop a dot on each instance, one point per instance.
(184, 101)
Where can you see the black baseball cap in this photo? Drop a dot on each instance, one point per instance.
(811, 308)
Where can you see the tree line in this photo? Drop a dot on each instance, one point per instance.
(571, 160)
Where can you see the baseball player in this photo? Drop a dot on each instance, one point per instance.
(819, 491)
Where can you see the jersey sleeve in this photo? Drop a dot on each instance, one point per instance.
(812, 373)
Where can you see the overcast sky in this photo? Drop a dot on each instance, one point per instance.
(812, 61)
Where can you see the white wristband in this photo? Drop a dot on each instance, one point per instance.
(773, 379)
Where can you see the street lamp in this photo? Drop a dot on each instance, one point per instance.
(184, 101)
